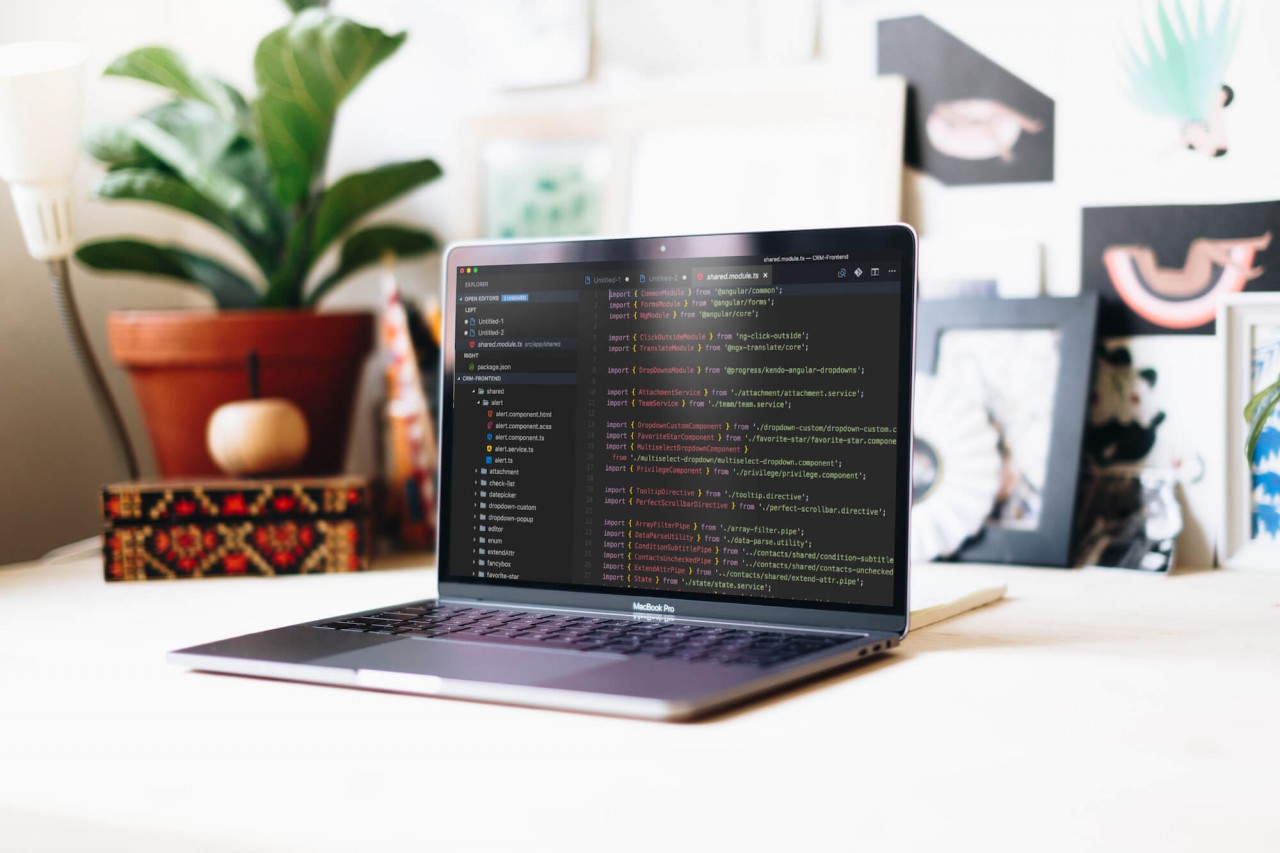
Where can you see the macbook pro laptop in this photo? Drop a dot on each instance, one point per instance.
(674, 474)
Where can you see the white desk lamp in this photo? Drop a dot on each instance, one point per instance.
(41, 99)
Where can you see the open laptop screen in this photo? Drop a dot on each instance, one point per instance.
(721, 418)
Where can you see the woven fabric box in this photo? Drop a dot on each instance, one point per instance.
(187, 529)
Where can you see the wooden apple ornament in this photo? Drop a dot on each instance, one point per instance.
(259, 435)
(266, 436)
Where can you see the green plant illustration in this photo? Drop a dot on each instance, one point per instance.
(1179, 71)
(255, 169)
(1256, 413)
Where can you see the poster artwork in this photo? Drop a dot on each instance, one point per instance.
(1162, 269)
(1177, 67)
(969, 121)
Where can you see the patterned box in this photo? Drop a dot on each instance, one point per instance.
(192, 529)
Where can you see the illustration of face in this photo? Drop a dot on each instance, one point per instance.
(1209, 137)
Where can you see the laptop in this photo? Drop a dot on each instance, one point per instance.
(674, 475)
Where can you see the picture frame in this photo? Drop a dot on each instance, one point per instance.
(1249, 346)
(545, 157)
(1038, 408)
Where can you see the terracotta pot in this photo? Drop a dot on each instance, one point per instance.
(184, 364)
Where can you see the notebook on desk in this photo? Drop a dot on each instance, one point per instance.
(674, 474)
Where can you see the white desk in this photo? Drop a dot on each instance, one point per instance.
(1091, 710)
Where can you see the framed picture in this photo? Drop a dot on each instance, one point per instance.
(543, 188)
(1028, 362)
(1249, 331)
(541, 172)
(1144, 433)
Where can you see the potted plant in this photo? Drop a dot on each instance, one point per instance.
(255, 170)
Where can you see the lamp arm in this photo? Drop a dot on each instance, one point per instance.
(60, 278)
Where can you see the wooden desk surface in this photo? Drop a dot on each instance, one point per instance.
(1091, 710)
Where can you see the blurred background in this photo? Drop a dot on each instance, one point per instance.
(476, 78)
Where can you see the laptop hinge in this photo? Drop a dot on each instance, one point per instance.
(647, 617)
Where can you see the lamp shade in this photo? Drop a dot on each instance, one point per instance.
(41, 99)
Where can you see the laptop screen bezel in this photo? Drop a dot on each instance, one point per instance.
(898, 238)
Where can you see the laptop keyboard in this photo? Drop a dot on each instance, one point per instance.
(729, 646)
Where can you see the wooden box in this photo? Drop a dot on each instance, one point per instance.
(191, 529)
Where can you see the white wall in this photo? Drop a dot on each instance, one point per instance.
(53, 449)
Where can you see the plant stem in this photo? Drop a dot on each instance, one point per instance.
(251, 365)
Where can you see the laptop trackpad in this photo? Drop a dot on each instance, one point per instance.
(468, 661)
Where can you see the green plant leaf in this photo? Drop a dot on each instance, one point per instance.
(1251, 407)
(165, 67)
(354, 196)
(143, 184)
(304, 70)
(1257, 412)
(113, 145)
(246, 163)
(151, 185)
(227, 287)
(299, 5)
(339, 208)
(195, 142)
(369, 246)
